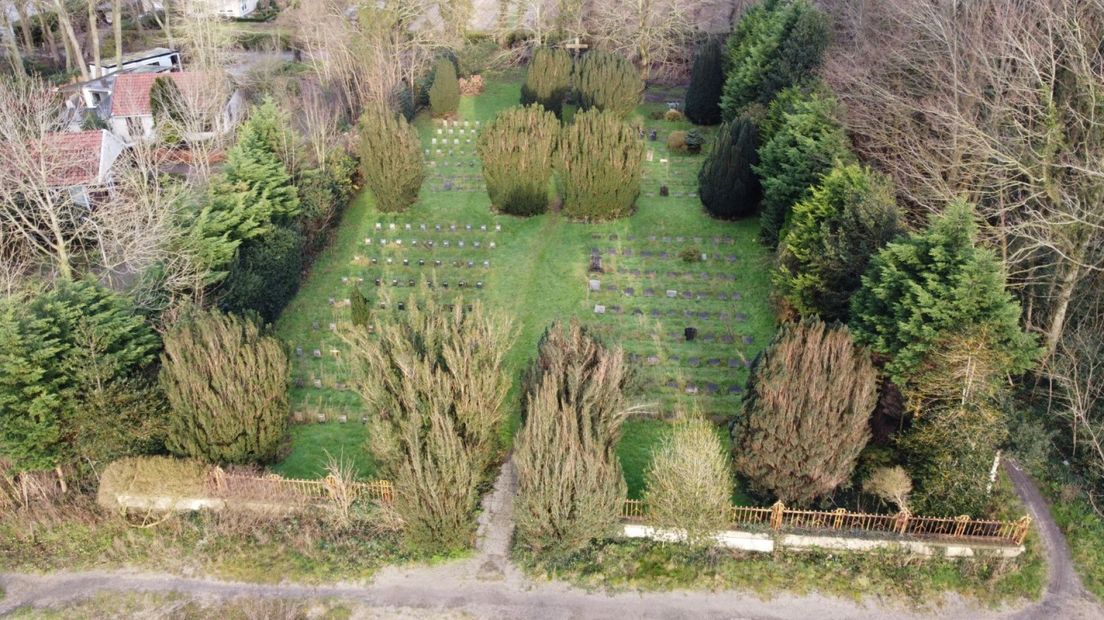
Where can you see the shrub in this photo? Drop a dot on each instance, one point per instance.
(444, 95)
(570, 486)
(727, 184)
(359, 309)
(891, 484)
(806, 415)
(227, 386)
(323, 194)
(471, 86)
(703, 97)
(265, 275)
(433, 383)
(151, 476)
(934, 285)
(833, 235)
(517, 150)
(694, 141)
(548, 79)
(691, 255)
(672, 116)
(608, 82)
(689, 483)
(676, 142)
(776, 44)
(600, 162)
(808, 143)
(64, 355)
(390, 159)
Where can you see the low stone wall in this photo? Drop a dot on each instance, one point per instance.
(766, 543)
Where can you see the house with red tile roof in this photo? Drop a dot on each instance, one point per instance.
(81, 162)
(131, 113)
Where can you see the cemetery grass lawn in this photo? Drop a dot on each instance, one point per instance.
(537, 275)
(311, 446)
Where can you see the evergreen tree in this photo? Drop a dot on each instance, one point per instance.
(390, 159)
(776, 44)
(58, 352)
(806, 415)
(808, 143)
(600, 161)
(166, 103)
(609, 83)
(727, 184)
(548, 79)
(932, 284)
(433, 385)
(517, 150)
(570, 486)
(703, 97)
(265, 275)
(834, 233)
(444, 95)
(227, 384)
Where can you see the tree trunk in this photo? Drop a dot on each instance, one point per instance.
(163, 23)
(74, 43)
(25, 27)
(1058, 318)
(94, 32)
(117, 25)
(14, 56)
(47, 33)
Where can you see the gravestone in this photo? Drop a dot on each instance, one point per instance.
(595, 285)
(748, 339)
(690, 333)
(671, 294)
(595, 264)
(693, 362)
(649, 292)
(734, 363)
(599, 309)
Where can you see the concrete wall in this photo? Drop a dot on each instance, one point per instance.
(766, 543)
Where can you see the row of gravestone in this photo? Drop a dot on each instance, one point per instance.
(441, 227)
(663, 255)
(692, 362)
(655, 313)
(430, 243)
(716, 240)
(596, 286)
(704, 276)
(706, 388)
(398, 263)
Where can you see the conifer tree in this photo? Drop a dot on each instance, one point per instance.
(776, 44)
(227, 385)
(570, 485)
(548, 79)
(806, 145)
(517, 149)
(932, 284)
(444, 95)
(703, 97)
(433, 385)
(727, 184)
(806, 415)
(600, 161)
(390, 159)
(58, 351)
(360, 310)
(609, 83)
(833, 235)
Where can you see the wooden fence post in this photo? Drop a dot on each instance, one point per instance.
(1023, 524)
(777, 511)
(837, 521)
(902, 522)
(960, 525)
(220, 478)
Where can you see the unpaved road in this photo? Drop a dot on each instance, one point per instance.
(488, 586)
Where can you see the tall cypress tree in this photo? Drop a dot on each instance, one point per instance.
(727, 184)
(600, 162)
(609, 83)
(390, 159)
(517, 149)
(444, 95)
(703, 97)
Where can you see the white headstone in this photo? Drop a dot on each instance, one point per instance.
(595, 285)
(599, 309)
(672, 294)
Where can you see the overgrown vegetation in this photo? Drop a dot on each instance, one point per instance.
(433, 386)
(570, 486)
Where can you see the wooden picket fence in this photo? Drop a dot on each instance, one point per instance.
(279, 489)
(779, 518)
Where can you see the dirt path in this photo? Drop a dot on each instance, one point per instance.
(489, 586)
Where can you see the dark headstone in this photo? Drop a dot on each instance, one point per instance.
(595, 264)
(649, 292)
(653, 135)
(735, 389)
(741, 316)
(629, 291)
(690, 333)
(663, 191)
(728, 339)
(734, 363)
(748, 339)
(714, 361)
(693, 362)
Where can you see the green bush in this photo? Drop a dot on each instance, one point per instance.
(808, 143)
(548, 79)
(676, 142)
(806, 416)
(570, 485)
(703, 97)
(265, 275)
(390, 159)
(600, 163)
(776, 44)
(609, 83)
(152, 475)
(359, 309)
(227, 385)
(517, 150)
(727, 184)
(833, 235)
(433, 385)
(444, 95)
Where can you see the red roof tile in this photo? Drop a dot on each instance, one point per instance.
(131, 96)
(73, 158)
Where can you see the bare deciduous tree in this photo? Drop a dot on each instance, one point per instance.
(654, 34)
